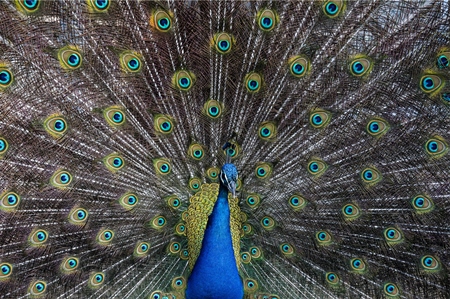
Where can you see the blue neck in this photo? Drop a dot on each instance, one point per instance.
(215, 274)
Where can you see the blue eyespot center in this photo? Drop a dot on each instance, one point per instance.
(99, 278)
(419, 202)
(265, 132)
(30, 4)
(144, 247)
(286, 248)
(131, 200)
(197, 153)
(266, 221)
(356, 263)
(253, 84)
(184, 82)
(101, 4)
(428, 261)
(40, 287)
(322, 236)
(314, 167)
(349, 210)
(72, 263)
(317, 119)
(213, 111)
(161, 221)
(266, 22)
(5, 77)
(133, 64)
(295, 201)
(6, 269)
(2, 145)
(374, 127)
(117, 162)
(391, 233)
(12, 199)
(357, 67)
(107, 235)
(224, 45)
(195, 186)
(41, 236)
(368, 175)
(165, 126)
(164, 168)
(433, 146)
(59, 125)
(298, 69)
(332, 8)
(428, 83)
(251, 200)
(117, 117)
(81, 215)
(331, 277)
(261, 171)
(231, 152)
(64, 178)
(442, 62)
(250, 284)
(73, 60)
(164, 23)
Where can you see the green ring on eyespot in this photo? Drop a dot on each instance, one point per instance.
(184, 82)
(253, 84)
(266, 22)
(332, 8)
(133, 64)
(5, 77)
(224, 45)
(427, 83)
(358, 67)
(164, 23)
(101, 4)
(298, 69)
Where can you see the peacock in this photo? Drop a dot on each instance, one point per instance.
(224, 149)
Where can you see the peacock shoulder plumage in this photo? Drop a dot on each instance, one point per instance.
(333, 181)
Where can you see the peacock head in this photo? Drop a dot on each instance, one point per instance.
(229, 177)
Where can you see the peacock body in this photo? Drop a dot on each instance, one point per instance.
(333, 181)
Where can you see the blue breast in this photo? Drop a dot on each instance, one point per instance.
(215, 274)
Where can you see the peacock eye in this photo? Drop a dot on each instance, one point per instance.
(317, 167)
(393, 235)
(319, 118)
(250, 285)
(70, 58)
(436, 147)
(253, 200)
(358, 265)
(55, 125)
(37, 288)
(6, 78)
(162, 166)
(213, 109)
(371, 176)
(222, 42)
(267, 19)
(360, 66)
(430, 83)
(183, 80)
(390, 289)
(195, 151)
(268, 223)
(141, 249)
(442, 61)
(253, 82)
(351, 212)
(9, 201)
(323, 238)
(61, 179)
(130, 62)
(430, 263)
(267, 131)
(3, 146)
(263, 170)
(69, 264)
(377, 127)
(78, 216)
(287, 249)
(333, 8)
(163, 124)
(332, 278)
(299, 66)
(179, 283)
(38, 237)
(158, 222)
(96, 279)
(161, 21)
